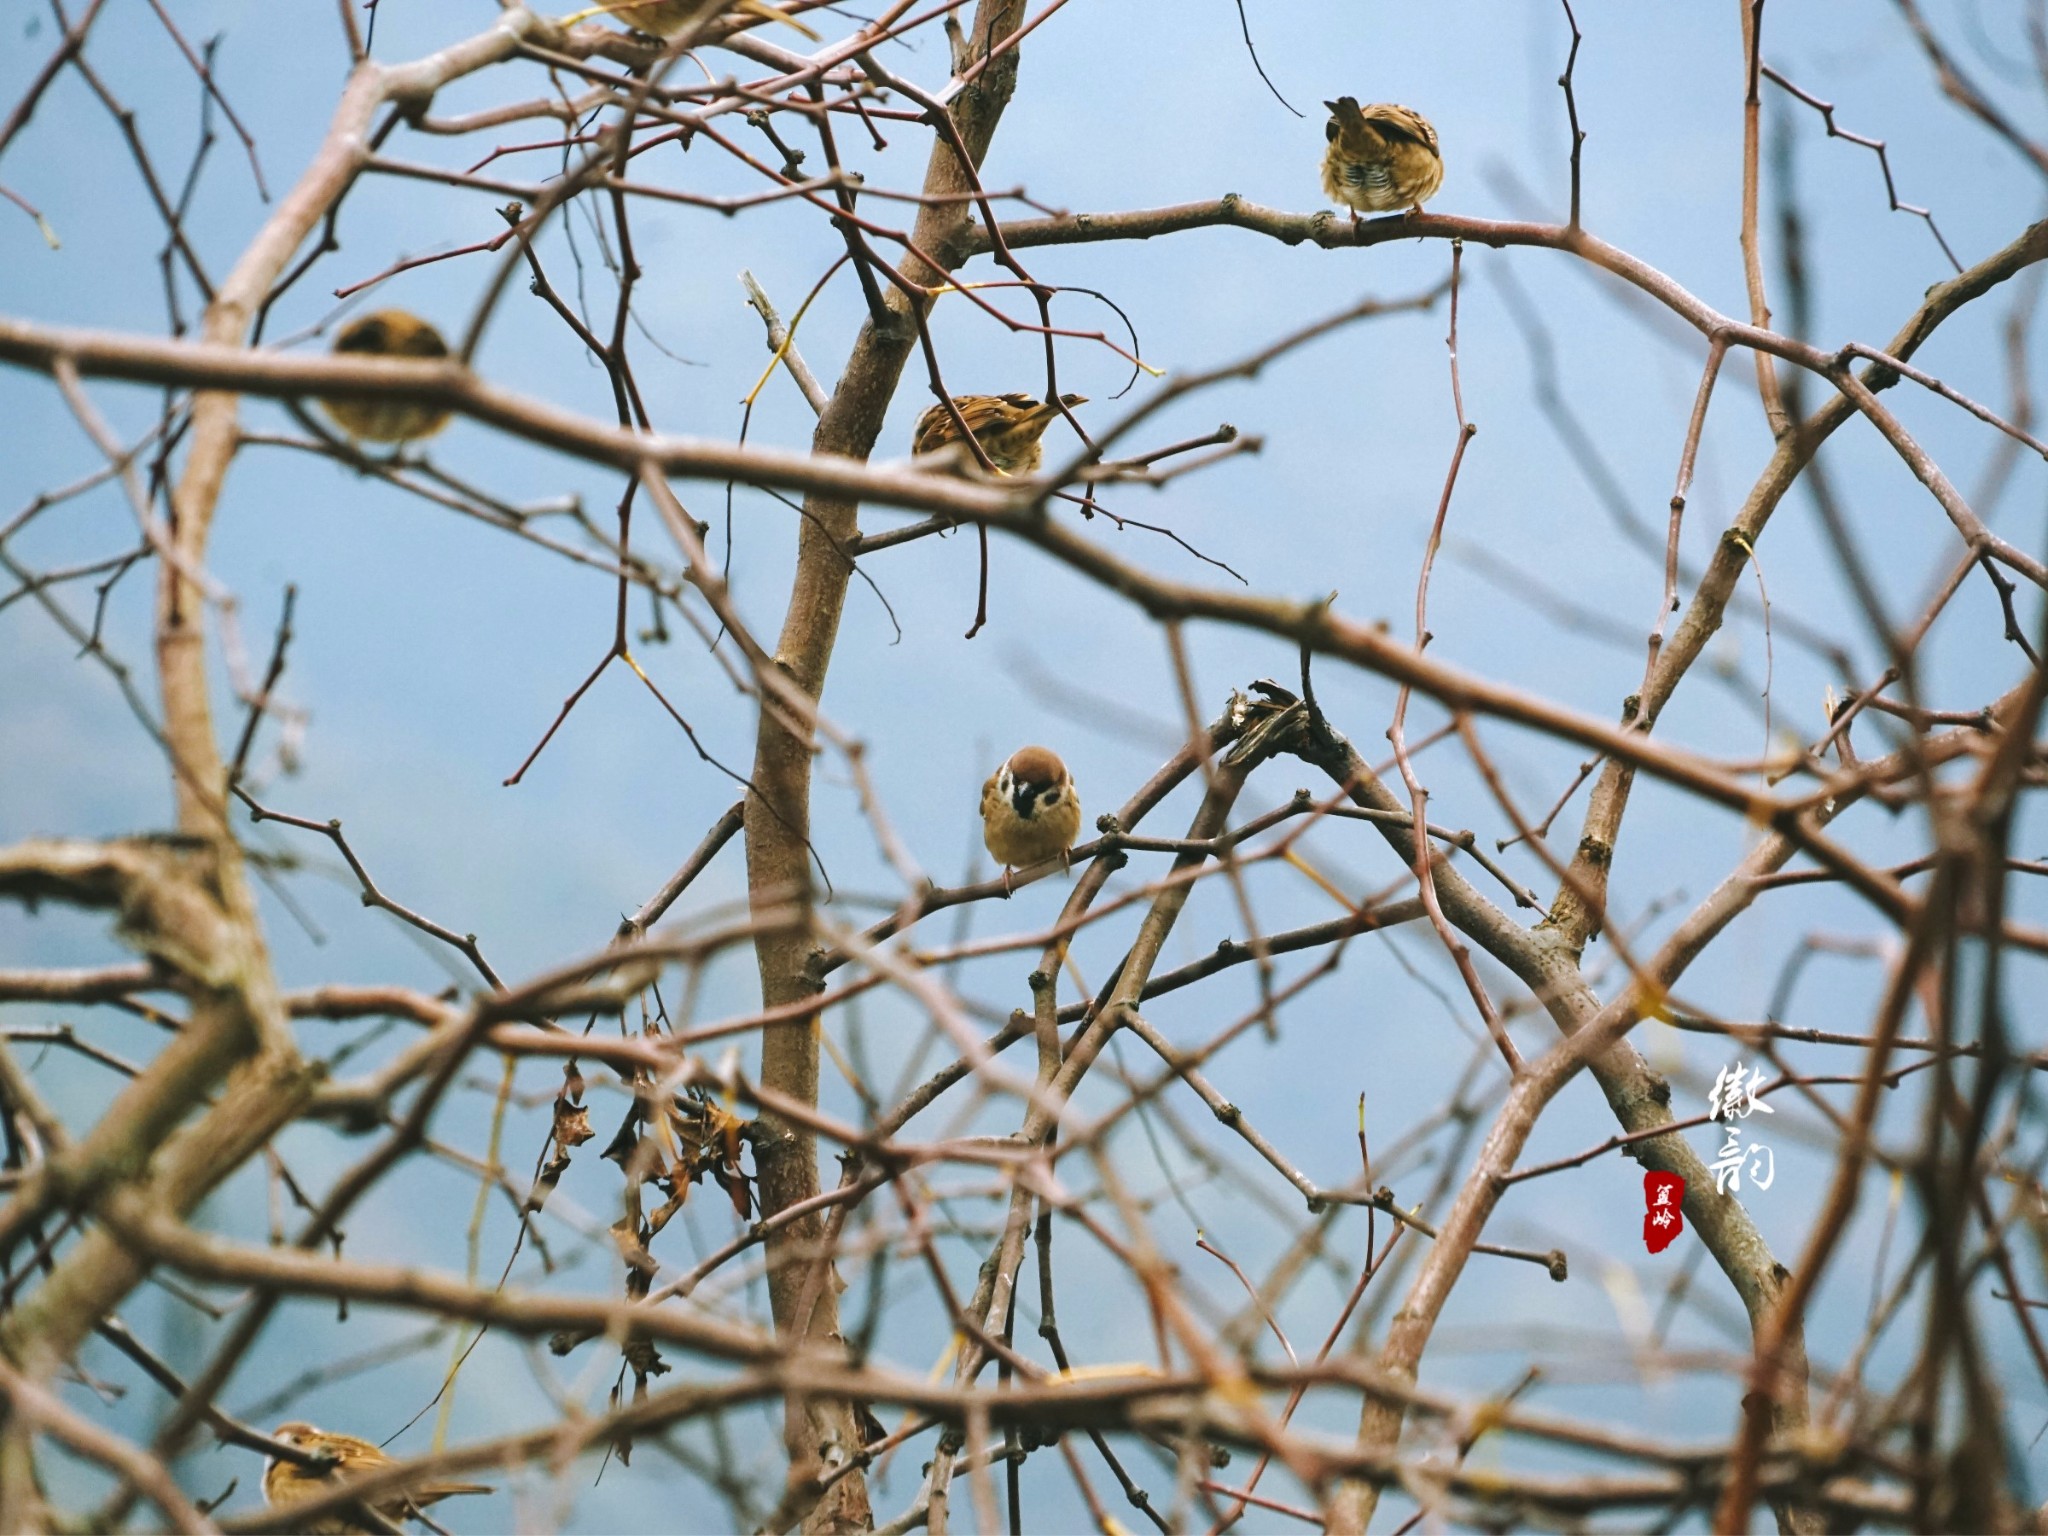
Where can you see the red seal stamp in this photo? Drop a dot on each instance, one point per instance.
(1663, 1210)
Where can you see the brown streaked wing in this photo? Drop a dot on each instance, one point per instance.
(1398, 122)
(933, 431)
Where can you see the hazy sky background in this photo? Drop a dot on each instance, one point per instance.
(431, 652)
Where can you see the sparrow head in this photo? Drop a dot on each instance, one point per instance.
(281, 1477)
(1343, 113)
(1010, 432)
(1033, 780)
(306, 1438)
(391, 333)
(1018, 405)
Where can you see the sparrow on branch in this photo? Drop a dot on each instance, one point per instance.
(1380, 158)
(1030, 810)
(383, 418)
(674, 18)
(287, 1482)
(1008, 428)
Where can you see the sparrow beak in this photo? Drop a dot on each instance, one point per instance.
(1025, 799)
(1331, 105)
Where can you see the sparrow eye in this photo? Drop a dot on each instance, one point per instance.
(1050, 796)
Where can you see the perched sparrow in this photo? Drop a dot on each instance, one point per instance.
(1381, 158)
(1008, 428)
(388, 333)
(1030, 811)
(286, 1482)
(672, 18)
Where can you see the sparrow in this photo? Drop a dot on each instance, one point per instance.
(1030, 810)
(286, 1482)
(1008, 428)
(1381, 158)
(673, 18)
(383, 419)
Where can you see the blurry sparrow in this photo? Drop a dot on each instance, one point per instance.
(672, 18)
(383, 419)
(1381, 158)
(1008, 428)
(1030, 810)
(286, 1482)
